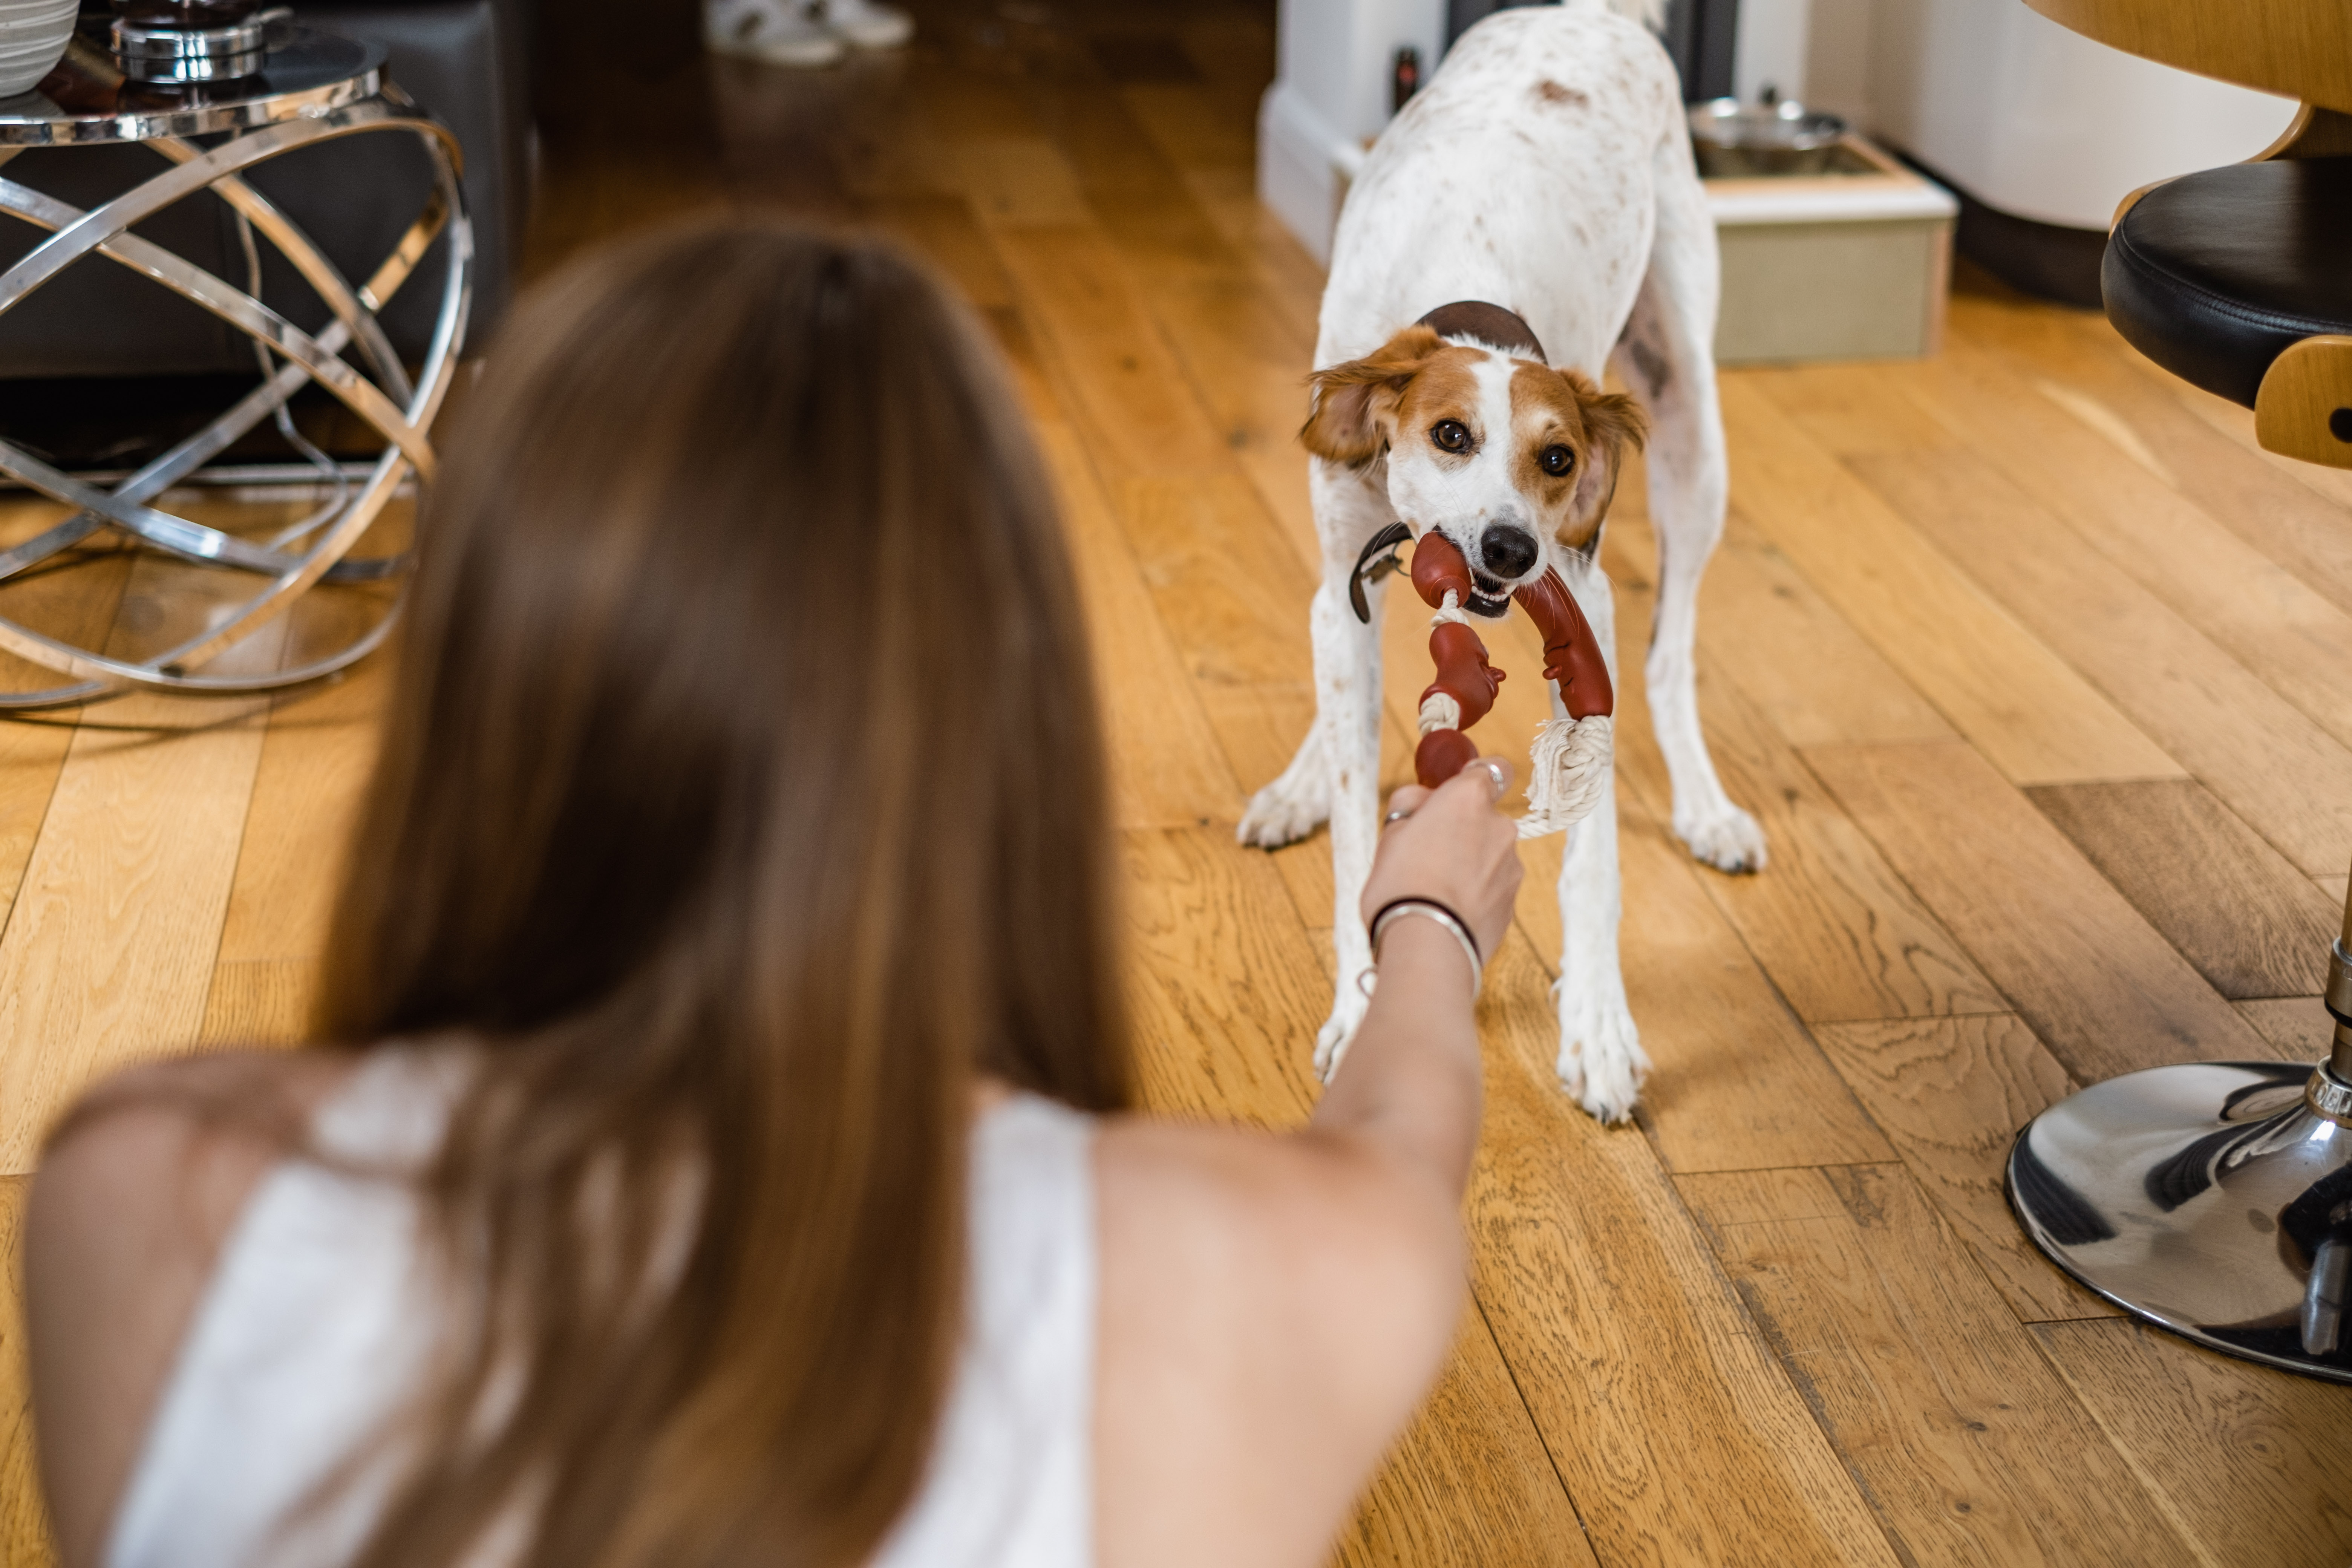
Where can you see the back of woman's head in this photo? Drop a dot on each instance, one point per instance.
(741, 797)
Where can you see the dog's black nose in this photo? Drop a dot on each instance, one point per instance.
(1507, 551)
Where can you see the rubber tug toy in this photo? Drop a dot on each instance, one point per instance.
(1569, 761)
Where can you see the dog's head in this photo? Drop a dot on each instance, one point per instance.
(1497, 452)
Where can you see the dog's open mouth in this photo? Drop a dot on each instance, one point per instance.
(1487, 598)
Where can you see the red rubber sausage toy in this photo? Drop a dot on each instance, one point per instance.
(1466, 683)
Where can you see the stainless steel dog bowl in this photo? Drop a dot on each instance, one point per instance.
(1735, 140)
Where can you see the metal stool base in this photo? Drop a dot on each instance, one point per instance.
(2178, 1194)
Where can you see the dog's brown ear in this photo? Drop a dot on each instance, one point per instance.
(1344, 403)
(1612, 425)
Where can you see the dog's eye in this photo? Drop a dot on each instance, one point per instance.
(1556, 460)
(1451, 435)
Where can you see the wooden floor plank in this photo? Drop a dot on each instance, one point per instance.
(2075, 458)
(2086, 366)
(1951, 1095)
(2226, 899)
(2285, 775)
(1122, 384)
(2298, 1027)
(1166, 765)
(1736, 1082)
(1227, 994)
(1836, 930)
(259, 1001)
(1679, 1437)
(316, 759)
(109, 952)
(2037, 719)
(2249, 1462)
(1796, 658)
(23, 1530)
(1970, 1449)
(2096, 982)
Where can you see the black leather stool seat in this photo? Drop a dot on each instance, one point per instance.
(2214, 275)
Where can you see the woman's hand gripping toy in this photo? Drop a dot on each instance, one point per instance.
(1569, 765)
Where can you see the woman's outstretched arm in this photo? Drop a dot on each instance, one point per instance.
(1274, 1307)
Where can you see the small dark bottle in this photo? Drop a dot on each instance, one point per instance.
(1407, 81)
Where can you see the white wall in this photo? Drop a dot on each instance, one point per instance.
(1771, 50)
(2041, 122)
(1335, 64)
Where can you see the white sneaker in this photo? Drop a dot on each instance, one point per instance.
(774, 32)
(868, 24)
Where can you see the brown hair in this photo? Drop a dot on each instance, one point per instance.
(743, 797)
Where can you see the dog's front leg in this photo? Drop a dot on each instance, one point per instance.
(1601, 1063)
(1347, 714)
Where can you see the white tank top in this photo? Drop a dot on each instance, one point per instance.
(317, 1320)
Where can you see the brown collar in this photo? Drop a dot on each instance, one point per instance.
(1487, 323)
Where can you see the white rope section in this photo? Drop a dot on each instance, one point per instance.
(1570, 768)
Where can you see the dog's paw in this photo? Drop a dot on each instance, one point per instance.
(1601, 1063)
(1285, 812)
(1338, 1031)
(1727, 839)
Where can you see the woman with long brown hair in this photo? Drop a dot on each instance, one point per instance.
(721, 1156)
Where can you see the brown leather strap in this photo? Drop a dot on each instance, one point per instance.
(1487, 323)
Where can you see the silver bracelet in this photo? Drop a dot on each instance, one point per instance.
(1429, 908)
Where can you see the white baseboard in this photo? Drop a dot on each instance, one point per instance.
(1302, 168)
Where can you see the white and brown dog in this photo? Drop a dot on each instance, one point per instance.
(1544, 182)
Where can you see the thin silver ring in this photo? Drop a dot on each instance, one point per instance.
(1394, 816)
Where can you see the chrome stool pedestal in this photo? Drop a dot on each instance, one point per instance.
(311, 87)
(2213, 1199)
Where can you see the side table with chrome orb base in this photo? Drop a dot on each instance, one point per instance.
(172, 71)
(2213, 1199)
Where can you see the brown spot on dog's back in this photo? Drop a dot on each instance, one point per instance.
(1550, 91)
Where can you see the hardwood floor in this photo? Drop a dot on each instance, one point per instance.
(2036, 669)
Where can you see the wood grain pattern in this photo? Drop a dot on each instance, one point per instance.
(1775, 638)
(1951, 1095)
(1970, 1449)
(2095, 981)
(1840, 934)
(2226, 899)
(2036, 719)
(109, 952)
(1469, 1483)
(2282, 773)
(317, 755)
(2248, 1462)
(2298, 1027)
(2072, 435)
(1679, 1439)
(2282, 508)
(1737, 1083)
(24, 1528)
(259, 1001)
(1166, 766)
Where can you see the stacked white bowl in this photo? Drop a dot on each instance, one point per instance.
(33, 38)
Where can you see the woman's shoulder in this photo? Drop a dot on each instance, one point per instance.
(1272, 1310)
(136, 1193)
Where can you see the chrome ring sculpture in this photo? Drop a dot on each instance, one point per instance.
(338, 93)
